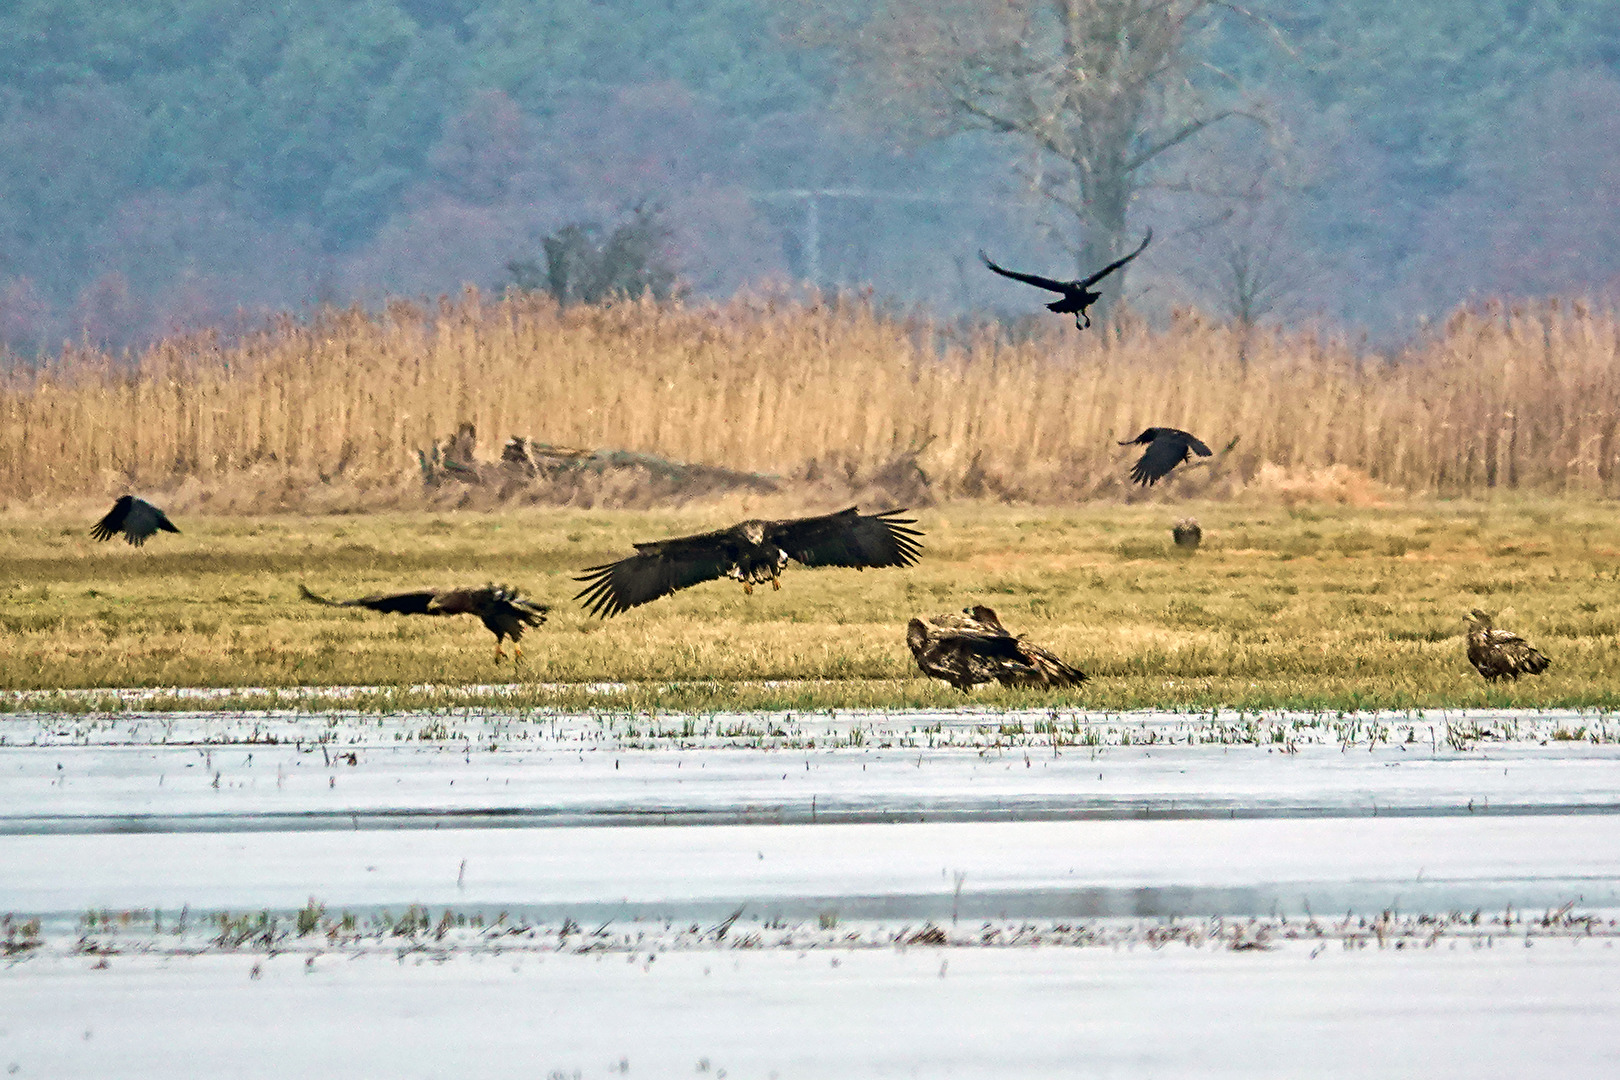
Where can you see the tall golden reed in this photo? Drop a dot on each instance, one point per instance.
(1520, 398)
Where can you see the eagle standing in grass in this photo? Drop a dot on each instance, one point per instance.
(136, 518)
(974, 647)
(503, 612)
(1166, 448)
(1077, 295)
(1187, 534)
(753, 552)
(1498, 654)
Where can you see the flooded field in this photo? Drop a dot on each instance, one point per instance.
(1058, 874)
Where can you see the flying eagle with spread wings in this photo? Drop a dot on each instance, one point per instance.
(136, 518)
(1166, 448)
(973, 647)
(752, 552)
(502, 611)
(1077, 295)
(1500, 654)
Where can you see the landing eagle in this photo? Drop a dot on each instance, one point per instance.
(1500, 654)
(752, 552)
(502, 611)
(973, 647)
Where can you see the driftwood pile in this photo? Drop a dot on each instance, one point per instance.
(530, 471)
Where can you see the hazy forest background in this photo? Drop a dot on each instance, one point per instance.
(174, 164)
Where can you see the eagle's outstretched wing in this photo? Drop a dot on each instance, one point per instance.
(411, 603)
(848, 538)
(657, 569)
(1029, 279)
(1117, 263)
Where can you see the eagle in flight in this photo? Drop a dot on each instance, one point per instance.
(973, 647)
(1077, 295)
(752, 552)
(1166, 448)
(502, 611)
(136, 518)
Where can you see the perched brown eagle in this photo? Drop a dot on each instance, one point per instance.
(1498, 654)
(973, 647)
(1166, 448)
(136, 518)
(1187, 534)
(502, 611)
(1077, 295)
(753, 552)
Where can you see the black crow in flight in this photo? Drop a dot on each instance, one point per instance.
(1077, 295)
(1166, 448)
(136, 518)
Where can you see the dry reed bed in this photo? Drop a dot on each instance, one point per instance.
(1524, 398)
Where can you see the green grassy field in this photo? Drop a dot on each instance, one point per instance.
(1305, 608)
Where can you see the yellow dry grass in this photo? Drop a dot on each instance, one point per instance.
(1324, 608)
(328, 415)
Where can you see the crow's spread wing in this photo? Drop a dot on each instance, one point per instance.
(1117, 263)
(656, 570)
(1029, 279)
(1196, 443)
(113, 522)
(1162, 455)
(848, 538)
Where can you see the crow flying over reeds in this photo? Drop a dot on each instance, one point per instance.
(1500, 654)
(1166, 448)
(1077, 295)
(502, 611)
(752, 552)
(973, 647)
(136, 518)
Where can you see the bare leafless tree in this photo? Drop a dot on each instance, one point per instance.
(1240, 242)
(1097, 91)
